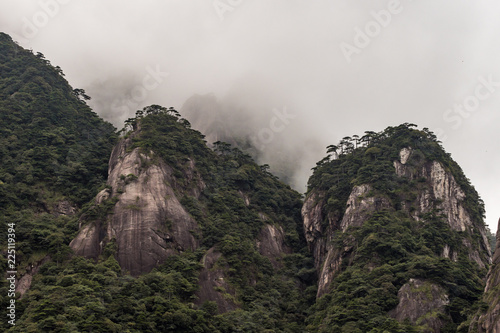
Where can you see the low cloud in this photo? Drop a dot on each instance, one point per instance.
(264, 56)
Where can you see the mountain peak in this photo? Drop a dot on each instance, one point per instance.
(392, 205)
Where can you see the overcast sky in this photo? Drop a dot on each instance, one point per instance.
(329, 68)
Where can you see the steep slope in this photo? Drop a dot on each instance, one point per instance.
(393, 222)
(487, 320)
(53, 158)
(213, 239)
(182, 238)
(51, 140)
(147, 222)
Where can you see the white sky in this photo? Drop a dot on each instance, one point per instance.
(417, 63)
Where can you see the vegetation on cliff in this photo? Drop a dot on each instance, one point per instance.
(53, 157)
(391, 246)
(52, 143)
(54, 153)
(239, 199)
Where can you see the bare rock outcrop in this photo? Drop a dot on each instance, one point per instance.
(489, 320)
(361, 206)
(148, 222)
(328, 258)
(313, 227)
(64, 207)
(318, 235)
(444, 190)
(89, 242)
(271, 244)
(213, 284)
(422, 303)
(23, 284)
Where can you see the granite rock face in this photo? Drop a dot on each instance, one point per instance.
(64, 207)
(489, 320)
(23, 284)
(327, 258)
(421, 302)
(213, 283)
(314, 230)
(271, 244)
(444, 189)
(147, 222)
(361, 206)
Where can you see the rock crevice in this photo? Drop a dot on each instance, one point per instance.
(328, 259)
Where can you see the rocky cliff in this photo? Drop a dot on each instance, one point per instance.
(170, 198)
(423, 303)
(441, 192)
(487, 319)
(147, 222)
(329, 258)
(394, 201)
(444, 194)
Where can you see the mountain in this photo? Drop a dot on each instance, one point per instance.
(153, 229)
(397, 235)
(162, 171)
(214, 240)
(53, 159)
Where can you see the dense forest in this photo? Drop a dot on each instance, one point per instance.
(55, 153)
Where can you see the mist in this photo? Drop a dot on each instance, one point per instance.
(336, 68)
